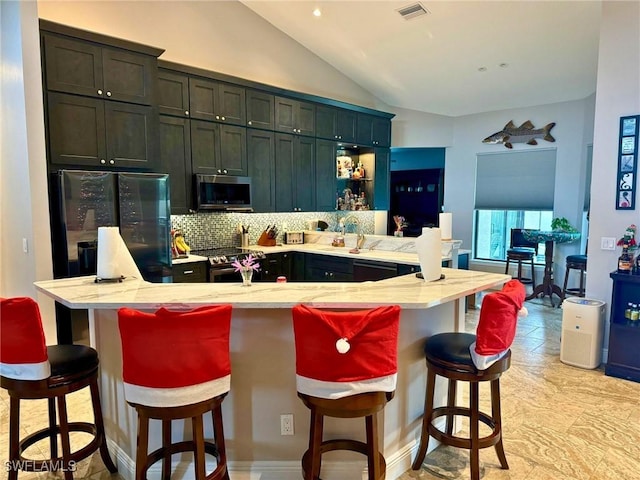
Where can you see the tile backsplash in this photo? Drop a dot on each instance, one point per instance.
(211, 230)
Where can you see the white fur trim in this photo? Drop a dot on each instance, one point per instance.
(175, 397)
(523, 312)
(482, 362)
(333, 390)
(26, 371)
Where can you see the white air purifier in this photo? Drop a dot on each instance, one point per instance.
(582, 332)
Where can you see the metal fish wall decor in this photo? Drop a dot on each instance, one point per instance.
(525, 133)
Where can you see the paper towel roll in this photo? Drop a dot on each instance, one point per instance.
(445, 226)
(114, 259)
(428, 249)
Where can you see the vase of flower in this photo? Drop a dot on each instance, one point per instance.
(247, 275)
(246, 267)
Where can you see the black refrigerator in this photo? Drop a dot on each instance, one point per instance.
(81, 201)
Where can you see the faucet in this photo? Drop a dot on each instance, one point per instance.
(352, 219)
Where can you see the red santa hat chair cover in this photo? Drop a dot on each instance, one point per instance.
(31, 370)
(175, 365)
(346, 367)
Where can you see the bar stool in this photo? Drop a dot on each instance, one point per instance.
(521, 250)
(575, 262)
(175, 365)
(465, 357)
(31, 370)
(346, 366)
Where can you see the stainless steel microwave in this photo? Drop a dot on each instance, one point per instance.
(223, 192)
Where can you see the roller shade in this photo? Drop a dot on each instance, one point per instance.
(523, 180)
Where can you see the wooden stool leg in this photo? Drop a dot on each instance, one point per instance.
(506, 268)
(497, 418)
(428, 407)
(315, 441)
(14, 437)
(218, 432)
(166, 445)
(582, 283)
(198, 444)
(451, 402)
(475, 430)
(99, 422)
(519, 269)
(142, 444)
(373, 459)
(64, 437)
(566, 280)
(533, 273)
(53, 438)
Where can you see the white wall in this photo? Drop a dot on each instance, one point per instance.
(24, 206)
(222, 36)
(618, 94)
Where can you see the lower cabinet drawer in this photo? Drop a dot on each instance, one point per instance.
(194, 272)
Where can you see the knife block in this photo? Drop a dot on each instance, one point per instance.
(265, 241)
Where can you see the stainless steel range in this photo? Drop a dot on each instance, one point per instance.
(221, 259)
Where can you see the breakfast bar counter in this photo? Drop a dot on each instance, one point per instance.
(263, 363)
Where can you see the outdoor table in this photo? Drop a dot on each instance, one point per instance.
(547, 287)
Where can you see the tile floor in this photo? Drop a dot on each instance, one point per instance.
(560, 422)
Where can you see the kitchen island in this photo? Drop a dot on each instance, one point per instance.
(263, 363)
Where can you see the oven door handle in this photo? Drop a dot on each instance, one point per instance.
(221, 271)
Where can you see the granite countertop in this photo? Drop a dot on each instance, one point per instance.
(408, 291)
(189, 259)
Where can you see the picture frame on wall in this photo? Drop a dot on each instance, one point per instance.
(627, 162)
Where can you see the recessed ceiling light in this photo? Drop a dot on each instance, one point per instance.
(482, 69)
(317, 12)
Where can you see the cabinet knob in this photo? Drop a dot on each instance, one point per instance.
(99, 92)
(103, 161)
(249, 122)
(217, 117)
(108, 94)
(111, 162)
(223, 118)
(225, 171)
(188, 272)
(186, 112)
(219, 171)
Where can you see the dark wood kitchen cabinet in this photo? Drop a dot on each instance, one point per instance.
(260, 109)
(336, 124)
(276, 265)
(373, 131)
(93, 70)
(295, 117)
(261, 153)
(325, 175)
(89, 132)
(173, 93)
(190, 272)
(175, 159)
(218, 149)
(624, 334)
(295, 173)
(325, 268)
(217, 101)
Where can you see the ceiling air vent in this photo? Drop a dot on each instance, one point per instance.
(412, 11)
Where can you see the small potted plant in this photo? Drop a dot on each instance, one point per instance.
(561, 224)
(629, 245)
(246, 267)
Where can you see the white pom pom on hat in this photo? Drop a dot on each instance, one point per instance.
(342, 345)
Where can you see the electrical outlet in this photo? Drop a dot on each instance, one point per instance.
(25, 246)
(286, 424)
(607, 243)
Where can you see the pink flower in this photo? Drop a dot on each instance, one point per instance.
(247, 263)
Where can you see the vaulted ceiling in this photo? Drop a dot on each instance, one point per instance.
(462, 57)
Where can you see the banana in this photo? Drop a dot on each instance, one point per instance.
(181, 244)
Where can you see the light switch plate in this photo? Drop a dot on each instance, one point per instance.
(607, 243)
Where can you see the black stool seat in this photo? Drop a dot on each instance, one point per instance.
(575, 262)
(447, 355)
(520, 255)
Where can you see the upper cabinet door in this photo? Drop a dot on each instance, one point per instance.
(73, 66)
(372, 130)
(217, 102)
(83, 68)
(260, 109)
(173, 93)
(335, 124)
(293, 116)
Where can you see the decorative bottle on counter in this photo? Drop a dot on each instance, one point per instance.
(625, 261)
